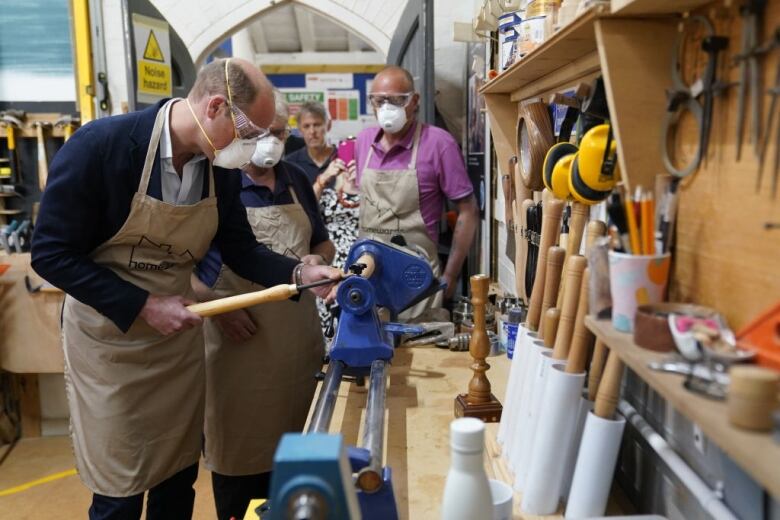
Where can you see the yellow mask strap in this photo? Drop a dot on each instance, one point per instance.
(200, 126)
(230, 98)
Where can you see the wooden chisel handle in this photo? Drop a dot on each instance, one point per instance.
(574, 268)
(579, 217)
(609, 389)
(43, 165)
(552, 281)
(596, 368)
(595, 229)
(551, 319)
(551, 228)
(581, 337)
(240, 301)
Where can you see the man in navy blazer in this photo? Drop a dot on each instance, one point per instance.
(88, 203)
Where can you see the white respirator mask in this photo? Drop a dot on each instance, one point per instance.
(235, 155)
(391, 118)
(268, 151)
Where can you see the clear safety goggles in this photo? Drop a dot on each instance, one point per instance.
(380, 98)
(280, 133)
(245, 128)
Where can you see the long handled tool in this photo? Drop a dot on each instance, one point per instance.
(43, 161)
(364, 266)
(276, 293)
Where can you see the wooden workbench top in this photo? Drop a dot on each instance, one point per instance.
(423, 382)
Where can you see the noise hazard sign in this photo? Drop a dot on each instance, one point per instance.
(152, 50)
(153, 58)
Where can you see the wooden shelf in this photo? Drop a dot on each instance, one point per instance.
(568, 45)
(756, 453)
(658, 7)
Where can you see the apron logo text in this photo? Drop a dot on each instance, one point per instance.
(142, 256)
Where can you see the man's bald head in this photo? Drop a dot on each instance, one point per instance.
(250, 89)
(393, 79)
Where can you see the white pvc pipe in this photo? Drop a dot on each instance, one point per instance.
(527, 431)
(510, 398)
(595, 466)
(555, 429)
(586, 407)
(707, 498)
(530, 360)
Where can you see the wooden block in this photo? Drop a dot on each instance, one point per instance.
(487, 412)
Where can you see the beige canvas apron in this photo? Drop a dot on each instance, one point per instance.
(390, 205)
(136, 399)
(259, 389)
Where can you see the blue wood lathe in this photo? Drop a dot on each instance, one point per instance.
(315, 476)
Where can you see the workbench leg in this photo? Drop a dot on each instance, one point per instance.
(30, 405)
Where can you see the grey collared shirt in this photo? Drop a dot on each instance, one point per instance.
(187, 189)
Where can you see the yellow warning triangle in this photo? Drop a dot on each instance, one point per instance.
(152, 51)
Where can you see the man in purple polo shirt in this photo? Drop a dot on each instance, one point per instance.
(405, 169)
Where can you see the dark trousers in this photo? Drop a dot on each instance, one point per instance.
(232, 494)
(171, 499)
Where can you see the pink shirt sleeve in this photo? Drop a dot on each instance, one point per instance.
(453, 179)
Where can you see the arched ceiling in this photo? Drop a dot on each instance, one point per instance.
(203, 24)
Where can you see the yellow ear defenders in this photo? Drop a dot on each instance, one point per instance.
(594, 170)
(556, 167)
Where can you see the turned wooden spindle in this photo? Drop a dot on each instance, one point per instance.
(479, 402)
(479, 346)
(596, 368)
(551, 228)
(574, 268)
(582, 337)
(552, 281)
(609, 389)
(579, 217)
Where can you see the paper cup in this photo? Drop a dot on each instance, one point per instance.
(635, 280)
(502, 500)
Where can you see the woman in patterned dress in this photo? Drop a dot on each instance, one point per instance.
(340, 207)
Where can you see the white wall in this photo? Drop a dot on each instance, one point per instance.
(450, 62)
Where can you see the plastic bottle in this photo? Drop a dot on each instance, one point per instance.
(510, 327)
(467, 491)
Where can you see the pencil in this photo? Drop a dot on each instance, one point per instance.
(633, 233)
(644, 223)
(651, 223)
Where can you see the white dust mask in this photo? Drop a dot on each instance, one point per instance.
(268, 151)
(391, 118)
(235, 155)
